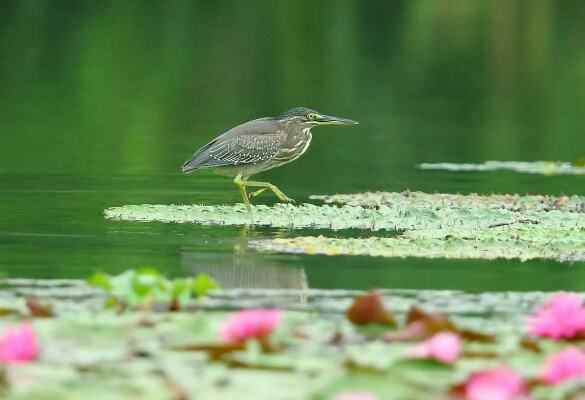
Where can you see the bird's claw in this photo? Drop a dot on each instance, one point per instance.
(286, 199)
(256, 193)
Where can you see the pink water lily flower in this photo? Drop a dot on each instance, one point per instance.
(568, 364)
(495, 384)
(562, 317)
(19, 345)
(356, 396)
(250, 324)
(444, 347)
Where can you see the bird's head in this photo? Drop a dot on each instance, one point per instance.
(310, 118)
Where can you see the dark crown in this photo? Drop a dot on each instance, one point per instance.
(296, 112)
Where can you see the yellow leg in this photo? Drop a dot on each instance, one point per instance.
(240, 183)
(267, 185)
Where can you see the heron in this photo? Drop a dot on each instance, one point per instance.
(259, 145)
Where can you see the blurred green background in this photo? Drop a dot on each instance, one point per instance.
(102, 101)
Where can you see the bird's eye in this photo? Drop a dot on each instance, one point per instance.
(312, 116)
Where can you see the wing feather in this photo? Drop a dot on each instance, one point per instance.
(230, 149)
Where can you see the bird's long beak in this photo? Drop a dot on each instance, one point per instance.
(330, 120)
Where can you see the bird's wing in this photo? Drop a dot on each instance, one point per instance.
(246, 149)
(232, 149)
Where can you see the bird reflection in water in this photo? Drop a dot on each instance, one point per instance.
(245, 268)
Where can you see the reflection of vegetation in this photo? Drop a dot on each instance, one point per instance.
(435, 82)
(535, 167)
(245, 269)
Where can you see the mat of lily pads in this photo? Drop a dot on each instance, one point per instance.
(315, 352)
(522, 242)
(535, 167)
(431, 225)
(470, 202)
(393, 211)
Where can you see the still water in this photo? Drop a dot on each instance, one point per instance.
(100, 103)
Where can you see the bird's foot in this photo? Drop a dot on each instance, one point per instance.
(283, 197)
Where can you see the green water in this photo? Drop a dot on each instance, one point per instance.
(101, 102)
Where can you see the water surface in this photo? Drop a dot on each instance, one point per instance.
(101, 103)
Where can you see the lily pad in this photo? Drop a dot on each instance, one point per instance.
(534, 167)
(524, 243)
(318, 353)
(539, 227)
(409, 211)
(433, 225)
(471, 202)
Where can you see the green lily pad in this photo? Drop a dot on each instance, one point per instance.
(146, 286)
(508, 242)
(404, 212)
(434, 225)
(472, 202)
(534, 167)
(313, 354)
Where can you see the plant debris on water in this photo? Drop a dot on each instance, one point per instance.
(576, 167)
(389, 345)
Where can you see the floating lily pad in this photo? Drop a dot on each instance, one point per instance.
(146, 287)
(394, 211)
(318, 354)
(433, 225)
(540, 227)
(534, 167)
(280, 215)
(471, 202)
(524, 242)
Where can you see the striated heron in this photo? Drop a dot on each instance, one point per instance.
(260, 145)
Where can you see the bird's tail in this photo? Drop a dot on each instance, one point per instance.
(187, 170)
(188, 166)
(197, 160)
